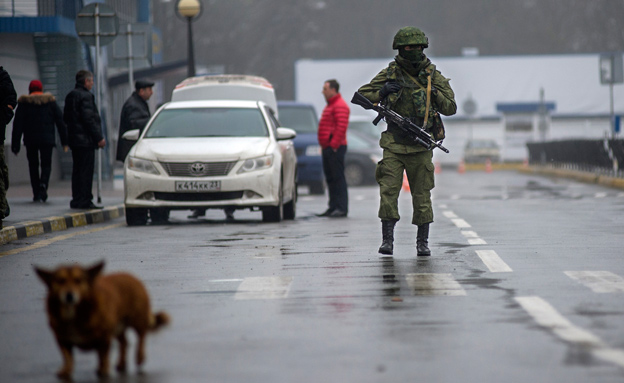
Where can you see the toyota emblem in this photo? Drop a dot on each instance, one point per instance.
(198, 168)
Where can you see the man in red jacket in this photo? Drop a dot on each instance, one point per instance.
(332, 136)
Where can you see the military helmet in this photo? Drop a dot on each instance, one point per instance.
(409, 36)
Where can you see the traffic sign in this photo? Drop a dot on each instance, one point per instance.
(97, 20)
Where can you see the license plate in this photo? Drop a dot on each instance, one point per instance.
(197, 186)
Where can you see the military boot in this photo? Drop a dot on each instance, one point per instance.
(422, 238)
(387, 232)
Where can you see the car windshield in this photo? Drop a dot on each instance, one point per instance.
(208, 122)
(365, 127)
(355, 141)
(302, 120)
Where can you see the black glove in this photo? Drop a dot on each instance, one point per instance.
(389, 87)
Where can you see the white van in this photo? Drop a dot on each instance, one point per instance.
(226, 87)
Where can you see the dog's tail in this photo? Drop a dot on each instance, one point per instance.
(158, 320)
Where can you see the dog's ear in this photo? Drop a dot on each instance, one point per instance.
(95, 270)
(45, 275)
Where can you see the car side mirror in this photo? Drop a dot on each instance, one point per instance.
(132, 135)
(285, 134)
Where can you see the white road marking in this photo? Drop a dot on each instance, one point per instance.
(455, 196)
(449, 214)
(476, 241)
(598, 281)
(546, 316)
(460, 223)
(493, 261)
(434, 284)
(224, 280)
(444, 206)
(620, 194)
(600, 195)
(264, 288)
(473, 238)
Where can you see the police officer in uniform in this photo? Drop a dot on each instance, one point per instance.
(412, 87)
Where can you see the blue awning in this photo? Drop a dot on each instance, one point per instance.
(43, 24)
(524, 107)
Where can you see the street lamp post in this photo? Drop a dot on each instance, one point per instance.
(190, 10)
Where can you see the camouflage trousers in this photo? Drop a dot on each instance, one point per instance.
(4, 183)
(420, 174)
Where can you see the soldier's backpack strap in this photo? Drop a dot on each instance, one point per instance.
(428, 91)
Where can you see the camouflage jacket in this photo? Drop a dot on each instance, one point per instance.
(410, 101)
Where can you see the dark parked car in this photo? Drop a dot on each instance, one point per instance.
(363, 153)
(303, 119)
(364, 125)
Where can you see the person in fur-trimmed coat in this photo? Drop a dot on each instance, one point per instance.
(36, 115)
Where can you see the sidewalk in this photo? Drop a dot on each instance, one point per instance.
(30, 218)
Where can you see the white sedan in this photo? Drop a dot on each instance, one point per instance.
(211, 154)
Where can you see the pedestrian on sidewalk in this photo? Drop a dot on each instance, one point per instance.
(8, 102)
(84, 130)
(35, 117)
(332, 137)
(135, 114)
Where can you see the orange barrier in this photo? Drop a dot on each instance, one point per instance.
(461, 168)
(405, 182)
(488, 166)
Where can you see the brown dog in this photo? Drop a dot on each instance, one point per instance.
(87, 310)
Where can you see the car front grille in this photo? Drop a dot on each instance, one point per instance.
(198, 197)
(198, 169)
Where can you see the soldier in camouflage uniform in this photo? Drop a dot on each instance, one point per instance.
(413, 88)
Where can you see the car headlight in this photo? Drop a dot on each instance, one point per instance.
(313, 150)
(143, 166)
(258, 163)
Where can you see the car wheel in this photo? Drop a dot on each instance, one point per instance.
(159, 215)
(354, 174)
(275, 213)
(136, 216)
(290, 209)
(317, 187)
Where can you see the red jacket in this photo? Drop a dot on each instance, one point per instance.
(333, 125)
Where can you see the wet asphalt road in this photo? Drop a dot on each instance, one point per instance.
(524, 285)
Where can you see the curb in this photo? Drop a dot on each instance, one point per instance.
(51, 224)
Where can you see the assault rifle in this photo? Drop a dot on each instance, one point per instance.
(414, 132)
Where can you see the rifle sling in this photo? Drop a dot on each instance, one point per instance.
(428, 91)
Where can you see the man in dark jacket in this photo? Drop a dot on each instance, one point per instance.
(134, 115)
(35, 117)
(8, 101)
(85, 136)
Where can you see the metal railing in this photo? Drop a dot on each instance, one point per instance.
(604, 156)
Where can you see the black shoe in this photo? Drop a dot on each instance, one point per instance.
(326, 213)
(422, 243)
(94, 206)
(7, 212)
(43, 192)
(337, 214)
(387, 232)
(36, 199)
